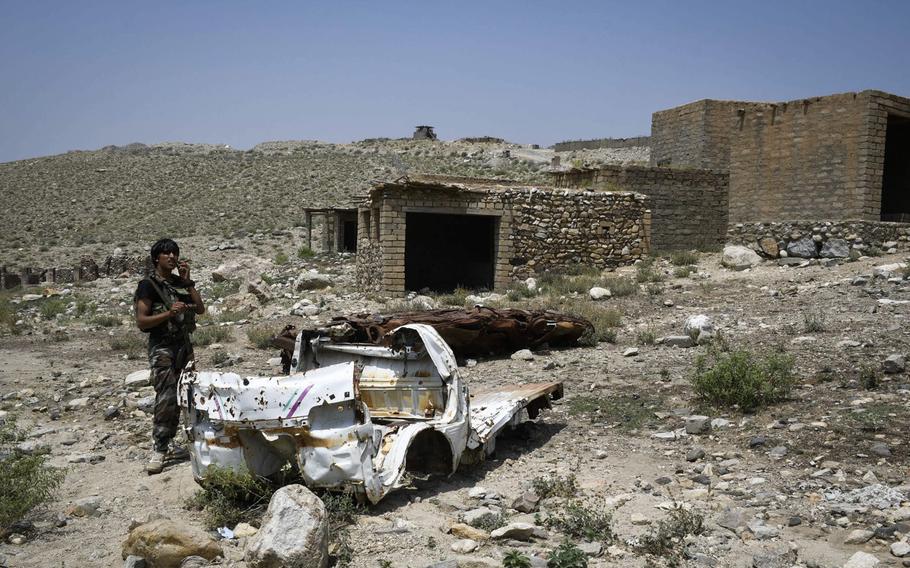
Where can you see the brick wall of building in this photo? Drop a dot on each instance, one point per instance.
(538, 229)
(688, 207)
(696, 135)
(569, 145)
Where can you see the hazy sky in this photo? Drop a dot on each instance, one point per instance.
(81, 75)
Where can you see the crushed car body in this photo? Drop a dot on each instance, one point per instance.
(350, 416)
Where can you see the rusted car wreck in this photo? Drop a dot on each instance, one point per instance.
(352, 416)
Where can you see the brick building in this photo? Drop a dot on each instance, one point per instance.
(840, 157)
(442, 233)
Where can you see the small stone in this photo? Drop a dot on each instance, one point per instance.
(639, 519)
(465, 546)
(591, 549)
(794, 521)
(859, 536)
(802, 248)
(900, 548)
(111, 412)
(783, 557)
(698, 424)
(86, 507)
(526, 502)
(244, 530)
(133, 561)
(516, 531)
(16, 539)
(77, 403)
(757, 441)
(695, 454)
(630, 352)
(682, 341)
(862, 560)
(762, 531)
(777, 452)
(597, 293)
(894, 364)
(881, 449)
(464, 531)
(522, 355)
(477, 492)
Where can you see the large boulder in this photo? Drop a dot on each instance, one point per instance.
(802, 248)
(768, 247)
(699, 327)
(294, 532)
(312, 280)
(835, 248)
(165, 543)
(739, 257)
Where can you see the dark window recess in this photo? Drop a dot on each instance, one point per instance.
(444, 252)
(896, 175)
(349, 236)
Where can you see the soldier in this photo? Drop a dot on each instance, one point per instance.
(166, 308)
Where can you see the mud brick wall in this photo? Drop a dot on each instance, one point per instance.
(864, 236)
(819, 158)
(602, 143)
(688, 207)
(696, 135)
(538, 229)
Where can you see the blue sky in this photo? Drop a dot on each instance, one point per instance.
(81, 75)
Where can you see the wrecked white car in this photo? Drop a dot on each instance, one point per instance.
(352, 417)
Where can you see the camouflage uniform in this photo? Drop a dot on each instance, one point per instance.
(169, 350)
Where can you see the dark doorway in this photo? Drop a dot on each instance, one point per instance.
(349, 234)
(896, 175)
(444, 252)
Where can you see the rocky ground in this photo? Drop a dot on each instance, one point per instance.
(108, 195)
(811, 481)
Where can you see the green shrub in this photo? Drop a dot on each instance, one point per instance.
(51, 307)
(567, 555)
(683, 271)
(625, 411)
(260, 337)
(868, 377)
(667, 539)
(224, 288)
(106, 320)
(26, 481)
(8, 314)
(458, 297)
(281, 259)
(305, 252)
(212, 334)
(227, 497)
(741, 378)
(603, 319)
(515, 559)
(134, 343)
(84, 306)
(647, 336)
(580, 520)
(219, 357)
(814, 322)
(683, 258)
(227, 316)
(620, 287)
(519, 291)
(555, 486)
(489, 522)
(645, 272)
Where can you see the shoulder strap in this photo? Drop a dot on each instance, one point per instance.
(164, 297)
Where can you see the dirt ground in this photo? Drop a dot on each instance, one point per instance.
(843, 410)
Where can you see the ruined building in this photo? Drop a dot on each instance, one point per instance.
(442, 233)
(424, 133)
(834, 166)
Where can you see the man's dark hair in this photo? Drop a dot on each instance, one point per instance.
(163, 246)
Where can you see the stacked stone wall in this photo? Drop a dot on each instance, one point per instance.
(864, 237)
(688, 207)
(538, 229)
(85, 271)
(570, 145)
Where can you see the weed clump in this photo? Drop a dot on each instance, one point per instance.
(260, 337)
(620, 287)
(281, 259)
(26, 481)
(227, 497)
(489, 522)
(515, 559)
(567, 555)
(8, 314)
(224, 288)
(683, 258)
(742, 378)
(814, 322)
(555, 486)
(51, 308)
(106, 320)
(580, 520)
(212, 334)
(305, 252)
(668, 538)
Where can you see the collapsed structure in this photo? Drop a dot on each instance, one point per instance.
(443, 233)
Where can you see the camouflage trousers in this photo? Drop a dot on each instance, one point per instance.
(165, 373)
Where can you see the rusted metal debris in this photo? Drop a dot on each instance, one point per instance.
(352, 416)
(476, 331)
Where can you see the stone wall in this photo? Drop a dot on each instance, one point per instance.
(863, 237)
(688, 207)
(538, 229)
(634, 142)
(85, 270)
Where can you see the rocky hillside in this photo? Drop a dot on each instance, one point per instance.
(141, 192)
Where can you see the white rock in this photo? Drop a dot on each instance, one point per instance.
(137, 379)
(523, 355)
(862, 560)
(531, 284)
(465, 546)
(598, 293)
(294, 532)
(739, 257)
(900, 548)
